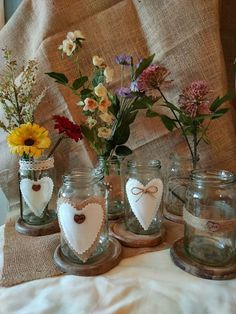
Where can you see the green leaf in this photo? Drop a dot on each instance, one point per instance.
(171, 106)
(151, 114)
(79, 82)
(219, 101)
(59, 77)
(217, 114)
(143, 65)
(168, 122)
(121, 135)
(85, 93)
(130, 117)
(142, 103)
(123, 150)
(115, 107)
(88, 134)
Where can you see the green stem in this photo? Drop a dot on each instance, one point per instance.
(204, 132)
(179, 123)
(195, 148)
(121, 75)
(55, 146)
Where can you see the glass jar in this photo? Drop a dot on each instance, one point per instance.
(3, 195)
(112, 179)
(210, 217)
(143, 196)
(176, 184)
(82, 215)
(36, 183)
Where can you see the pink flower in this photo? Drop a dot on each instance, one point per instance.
(152, 78)
(193, 99)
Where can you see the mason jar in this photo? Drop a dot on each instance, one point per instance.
(36, 184)
(143, 187)
(111, 169)
(176, 183)
(82, 215)
(210, 217)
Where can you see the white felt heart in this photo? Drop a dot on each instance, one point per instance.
(81, 228)
(144, 200)
(37, 194)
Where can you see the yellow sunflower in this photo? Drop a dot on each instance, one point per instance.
(29, 139)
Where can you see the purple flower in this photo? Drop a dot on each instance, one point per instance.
(123, 59)
(124, 92)
(193, 99)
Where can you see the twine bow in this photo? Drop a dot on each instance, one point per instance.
(150, 190)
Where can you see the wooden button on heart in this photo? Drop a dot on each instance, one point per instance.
(36, 187)
(212, 226)
(79, 219)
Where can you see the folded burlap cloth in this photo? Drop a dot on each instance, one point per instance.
(28, 258)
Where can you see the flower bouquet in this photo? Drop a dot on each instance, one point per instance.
(108, 114)
(193, 116)
(29, 140)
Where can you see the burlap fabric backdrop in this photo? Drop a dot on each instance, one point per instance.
(184, 35)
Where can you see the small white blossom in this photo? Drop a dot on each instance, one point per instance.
(74, 35)
(100, 90)
(98, 62)
(104, 132)
(108, 73)
(106, 117)
(80, 103)
(91, 122)
(68, 47)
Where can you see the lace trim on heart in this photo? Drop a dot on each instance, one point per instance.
(80, 205)
(37, 165)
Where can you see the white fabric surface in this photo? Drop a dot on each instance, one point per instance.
(145, 284)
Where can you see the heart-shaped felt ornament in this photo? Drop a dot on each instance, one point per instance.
(144, 200)
(82, 224)
(37, 194)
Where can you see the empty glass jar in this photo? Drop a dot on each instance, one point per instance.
(143, 196)
(210, 217)
(82, 215)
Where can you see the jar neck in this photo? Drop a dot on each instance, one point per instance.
(212, 177)
(143, 166)
(83, 177)
(184, 161)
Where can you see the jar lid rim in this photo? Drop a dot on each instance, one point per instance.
(213, 176)
(133, 163)
(84, 173)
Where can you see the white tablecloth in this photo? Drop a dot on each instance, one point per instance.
(145, 284)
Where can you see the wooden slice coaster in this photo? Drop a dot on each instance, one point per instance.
(130, 239)
(109, 260)
(32, 230)
(173, 217)
(183, 261)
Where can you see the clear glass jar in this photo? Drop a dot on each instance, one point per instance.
(143, 196)
(82, 187)
(210, 217)
(4, 195)
(112, 179)
(176, 183)
(36, 183)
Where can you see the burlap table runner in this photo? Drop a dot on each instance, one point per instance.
(28, 258)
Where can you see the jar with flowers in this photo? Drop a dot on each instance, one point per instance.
(109, 114)
(193, 116)
(30, 141)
